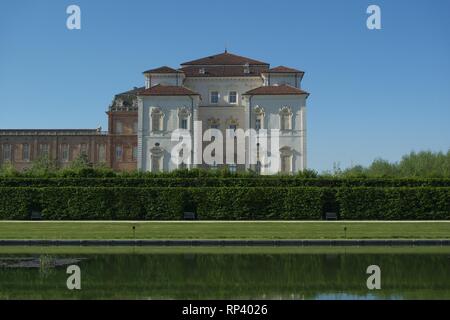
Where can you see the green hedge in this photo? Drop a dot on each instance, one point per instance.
(424, 203)
(102, 203)
(258, 181)
(294, 203)
(225, 203)
(99, 203)
(16, 203)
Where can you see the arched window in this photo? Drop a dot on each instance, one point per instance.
(232, 125)
(286, 160)
(259, 118)
(156, 158)
(285, 118)
(183, 118)
(182, 164)
(157, 120)
(214, 123)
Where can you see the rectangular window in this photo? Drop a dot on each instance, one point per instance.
(285, 122)
(184, 124)
(65, 152)
(43, 150)
(258, 167)
(156, 122)
(258, 124)
(119, 127)
(119, 153)
(214, 97)
(26, 152)
(232, 128)
(135, 127)
(7, 152)
(135, 153)
(83, 149)
(156, 161)
(232, 97)
(101, 153)
(232, 168)
(286, 164)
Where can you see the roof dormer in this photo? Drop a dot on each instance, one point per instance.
(163, 75)
(282, 75)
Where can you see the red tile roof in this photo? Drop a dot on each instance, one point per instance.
(223, 71)
(283, 69)
(163, 69)
(161, 90)
(223, 59)
(276, 90)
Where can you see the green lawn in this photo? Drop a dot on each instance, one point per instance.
(86, 250)
(225, 230)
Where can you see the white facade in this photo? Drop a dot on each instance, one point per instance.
(224, 91)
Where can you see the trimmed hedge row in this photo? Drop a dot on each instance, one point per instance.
(17, 203)
(394, 203)
(259, 181)
(100, 203)
(71, 203)
(295, 203)
(255, 203)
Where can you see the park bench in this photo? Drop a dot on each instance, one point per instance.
(331, 216)
(189, 216)
(36, 215)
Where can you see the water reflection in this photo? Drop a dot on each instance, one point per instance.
(226, 276)
(345, 296)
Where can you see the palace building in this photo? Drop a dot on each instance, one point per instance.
(223, 91)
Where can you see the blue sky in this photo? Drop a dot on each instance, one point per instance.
(374, 93)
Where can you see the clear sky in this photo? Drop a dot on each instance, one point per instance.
(374, 93)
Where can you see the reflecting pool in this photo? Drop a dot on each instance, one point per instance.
(224, 273)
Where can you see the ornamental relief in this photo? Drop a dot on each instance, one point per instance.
(213, 121)
(286, 151)
(286, 110)
(258, 110)
(157, 151)
(232, 122)
(184, 112)
(156, 110)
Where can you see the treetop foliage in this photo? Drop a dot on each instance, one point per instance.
(424, 164)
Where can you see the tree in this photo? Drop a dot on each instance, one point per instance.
(8, 170)
(42, 167)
